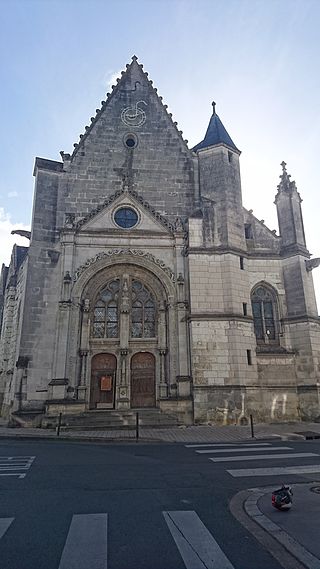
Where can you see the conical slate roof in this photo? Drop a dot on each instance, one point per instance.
(216, 134)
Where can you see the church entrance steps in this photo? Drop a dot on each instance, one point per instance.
(105, 420)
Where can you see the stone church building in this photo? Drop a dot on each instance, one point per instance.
(147, 284)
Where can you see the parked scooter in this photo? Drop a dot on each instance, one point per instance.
(282, 498)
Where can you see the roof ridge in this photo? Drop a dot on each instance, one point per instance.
(109, 96)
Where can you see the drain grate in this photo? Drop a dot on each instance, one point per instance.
(315, 489)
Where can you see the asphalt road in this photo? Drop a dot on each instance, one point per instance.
(160, 506)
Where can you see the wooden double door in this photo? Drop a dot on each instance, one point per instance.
(143, 384)
(103, 379)
(142, 381)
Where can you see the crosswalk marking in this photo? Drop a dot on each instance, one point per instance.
(13, 465)
(239, 452)
(197, 547)
(4, 525)
(86, 543)
(262, 457)
(252, 449)
(228, 445)
(309, 468)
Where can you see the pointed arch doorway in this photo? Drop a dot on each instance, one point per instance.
(143, 388)
(103, 375)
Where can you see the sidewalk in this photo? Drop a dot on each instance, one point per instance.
(192, 434)
(297, 529)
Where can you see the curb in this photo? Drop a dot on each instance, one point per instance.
(81, 439)
(288, 551)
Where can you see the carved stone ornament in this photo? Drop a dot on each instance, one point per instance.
(54, 255)
(125, 305)
(178, 224)
(120, 252)
(312, 263)
(86, 305)
(134, 115)
(22, 233)
(69, 219)
(126, 190)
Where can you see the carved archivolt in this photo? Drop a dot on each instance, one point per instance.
(119, 252)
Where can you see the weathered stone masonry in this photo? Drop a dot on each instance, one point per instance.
(146, 282)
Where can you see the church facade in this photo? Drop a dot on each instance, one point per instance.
(148, 285)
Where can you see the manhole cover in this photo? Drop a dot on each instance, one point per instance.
(315, 489)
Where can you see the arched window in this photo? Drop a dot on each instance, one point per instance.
(143, 315)
(264, 310)
(106, 312)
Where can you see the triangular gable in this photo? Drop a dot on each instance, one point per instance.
(101, 218)
(130, 87)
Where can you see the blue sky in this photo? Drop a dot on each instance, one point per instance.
(259, 60)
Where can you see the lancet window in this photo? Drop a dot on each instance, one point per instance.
(106, 312)
(264, 310)
(143, 314)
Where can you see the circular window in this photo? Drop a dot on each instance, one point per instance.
(131, 140)
(126, 217)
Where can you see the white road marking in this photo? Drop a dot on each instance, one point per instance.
(197, 547)
(228, 445)
(4, 525)
(252, 449)
(86, 543)
(14, 467)
(18, 458)
(262, 457)
(9, 464)
(13, 474)
(275, 471)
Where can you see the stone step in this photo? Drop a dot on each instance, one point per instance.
(113, 419)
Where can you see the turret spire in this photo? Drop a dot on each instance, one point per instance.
(285, 183)
(288, 202)
(216, 134)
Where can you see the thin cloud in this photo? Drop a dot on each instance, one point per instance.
(13, 194)
(110, 79)
(6, 239)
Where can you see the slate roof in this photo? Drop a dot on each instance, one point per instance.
(216, 134)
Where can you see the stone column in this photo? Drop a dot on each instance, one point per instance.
(163, 386)
(172, 348)
(59, 374)
(123, 389)
(123, 399)
(183, 377)
(84, 350)
(20, 383)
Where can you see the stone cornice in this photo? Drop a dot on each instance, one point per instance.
(271, 255)
(219, 316)
(46, 164)
(246, 387)
(299, 319)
